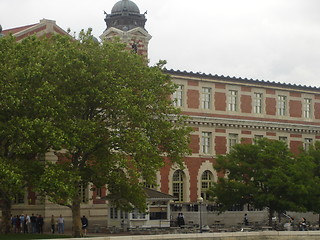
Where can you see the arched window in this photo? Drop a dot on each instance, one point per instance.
(177, 185)
(206, 183)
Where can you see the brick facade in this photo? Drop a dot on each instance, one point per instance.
(244, 123)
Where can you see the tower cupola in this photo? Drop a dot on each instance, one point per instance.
(125, 15)
(126, 22)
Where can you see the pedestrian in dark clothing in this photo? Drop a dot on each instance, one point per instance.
(85, 224)
(303, 224)
(40, 224)
(18, 224)
(245, 220)
(25, 226)
(53, 224)
(33, 220)
(180, 219)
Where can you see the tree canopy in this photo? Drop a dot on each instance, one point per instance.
(313, 153)
(105, 113)
(26, 111)
(265, 175)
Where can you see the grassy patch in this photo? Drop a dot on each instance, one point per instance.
(30, 236)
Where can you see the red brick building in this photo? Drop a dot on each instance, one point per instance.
(222, 110)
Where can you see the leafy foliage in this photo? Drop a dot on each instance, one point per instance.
(105, 113)
(265, 175)
(312, 201)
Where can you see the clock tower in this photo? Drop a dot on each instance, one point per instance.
(126, 22)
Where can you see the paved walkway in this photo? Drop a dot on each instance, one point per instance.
(258, 235)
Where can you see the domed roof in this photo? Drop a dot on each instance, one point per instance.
(125, 5)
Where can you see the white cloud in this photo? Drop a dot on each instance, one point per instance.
(267, 39)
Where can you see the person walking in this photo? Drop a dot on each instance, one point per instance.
(52, 224)
(303, 224)
(40, 223)
(245, 220)
(61, 224)
(85, 224)
(33, 220)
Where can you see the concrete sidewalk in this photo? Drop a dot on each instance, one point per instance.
(262, 235)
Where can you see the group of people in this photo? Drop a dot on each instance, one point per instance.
(34, 224)
(60, 224)
(27, 224)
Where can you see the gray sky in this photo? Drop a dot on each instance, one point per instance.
(272, 40)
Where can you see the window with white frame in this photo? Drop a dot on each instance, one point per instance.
(136, 214)
(177, 185)
(282, 105)
(83, 193)
(257, 137)
(233, 140)
(233, 100)
(307, 143)
(178, 96)
(123, 214)
(98, 192)
(19, 198)
(257, 103)
(113, 213)
(206, 98)
(283, 139)
(206, 142)
(206, 183)
(307, 108)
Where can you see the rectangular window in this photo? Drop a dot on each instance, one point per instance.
(111, 213)
(233, 100)
(123, 214)
(283, 139)
(138, 215)
(206, 142)
(307, 143)
(83, 193)
(257, 137)
(178, 96)
(307, 108)
(257, 103)
(233, 140)
(19, 199)
(99, 192)
(206, 98)
(158, 213)
(282, 105)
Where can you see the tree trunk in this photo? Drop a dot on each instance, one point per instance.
(6, 215)
(76, 218)
(271, 212)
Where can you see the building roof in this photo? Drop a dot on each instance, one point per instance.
(17, 29)
(239, 80)
(44, 28)
(125, 15)
(156, 195)
(125, 6)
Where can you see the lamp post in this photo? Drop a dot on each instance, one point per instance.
(200, 201)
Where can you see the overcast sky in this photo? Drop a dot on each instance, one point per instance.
(271, 40)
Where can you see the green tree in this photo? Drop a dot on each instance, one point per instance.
(26, 108)
(265, 175)
(11, 184)
(116, 119)
(312, 201)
